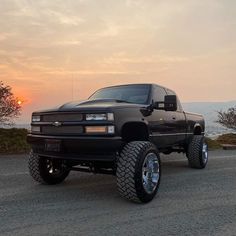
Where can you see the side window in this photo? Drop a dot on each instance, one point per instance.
(179, 106)
(159, 94)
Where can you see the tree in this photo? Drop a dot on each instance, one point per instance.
(228, 118)
(9, 107)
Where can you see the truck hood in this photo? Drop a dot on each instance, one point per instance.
(101, 104)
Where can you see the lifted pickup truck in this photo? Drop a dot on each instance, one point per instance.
(119, 130)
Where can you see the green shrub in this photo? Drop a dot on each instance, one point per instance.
(213, 144)
(13, 141)
(222, 139)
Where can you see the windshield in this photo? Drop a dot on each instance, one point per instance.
(137, 94)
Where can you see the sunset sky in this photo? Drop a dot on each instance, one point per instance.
(55, 51)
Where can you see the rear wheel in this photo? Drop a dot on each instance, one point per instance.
(46, 170)
(198, 152)
(138, 171)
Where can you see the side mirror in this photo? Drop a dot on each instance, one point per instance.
(170, 103)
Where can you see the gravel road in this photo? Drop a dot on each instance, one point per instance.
(189, 202)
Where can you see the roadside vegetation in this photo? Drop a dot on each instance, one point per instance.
(13, 141)
(227, 139)
(222, 139)
(213, 144)
(228, 118)
(10, 106)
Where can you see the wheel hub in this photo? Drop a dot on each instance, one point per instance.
(204, 152)
(52, 168)
(150, 172)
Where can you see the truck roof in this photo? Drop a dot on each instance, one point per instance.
(150, 84)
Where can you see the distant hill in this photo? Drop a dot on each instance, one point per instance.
(209, 111)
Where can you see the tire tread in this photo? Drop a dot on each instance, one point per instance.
(195, 152)
(126, 169)
(34, 169)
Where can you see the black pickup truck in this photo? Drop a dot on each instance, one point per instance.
(119, 130)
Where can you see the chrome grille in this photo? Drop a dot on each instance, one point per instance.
(62, 117)
(62, 130)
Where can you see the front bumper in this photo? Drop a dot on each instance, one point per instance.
(78, 148)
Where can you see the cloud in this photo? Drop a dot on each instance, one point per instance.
(134, 3)
(68, 43)
(92, 72)
(175, 43)
(123, 58)
(62, 18)
(5, 36)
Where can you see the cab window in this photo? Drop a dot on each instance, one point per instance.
(179, 106)
(159, 94)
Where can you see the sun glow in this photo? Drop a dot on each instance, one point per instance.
(19, 102)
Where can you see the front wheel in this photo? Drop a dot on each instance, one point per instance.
(197, 152)
(46, 170)
(138, 171)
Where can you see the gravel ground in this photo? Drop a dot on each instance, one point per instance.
(189, 201)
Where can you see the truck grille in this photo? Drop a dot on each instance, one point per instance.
(62, 117)
(62, 130)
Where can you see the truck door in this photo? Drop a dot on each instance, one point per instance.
(178, 120)
(161, 125)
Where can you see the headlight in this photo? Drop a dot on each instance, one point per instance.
(105, 116)
(110, 116)
(35, 118)
(35, 129)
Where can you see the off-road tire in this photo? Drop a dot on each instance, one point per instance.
(195, 153)
(38, 170)
(129, 171)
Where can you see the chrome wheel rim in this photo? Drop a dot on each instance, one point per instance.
(204, 153)
(51, 168)
(150, 173)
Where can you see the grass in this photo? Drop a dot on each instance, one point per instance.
(213, 144)
(222, 139)
(13, 141)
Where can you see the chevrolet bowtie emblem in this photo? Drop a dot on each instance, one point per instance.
(57, 123)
